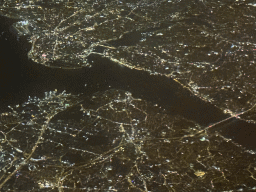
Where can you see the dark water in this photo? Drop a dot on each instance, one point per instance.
(130, 129)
